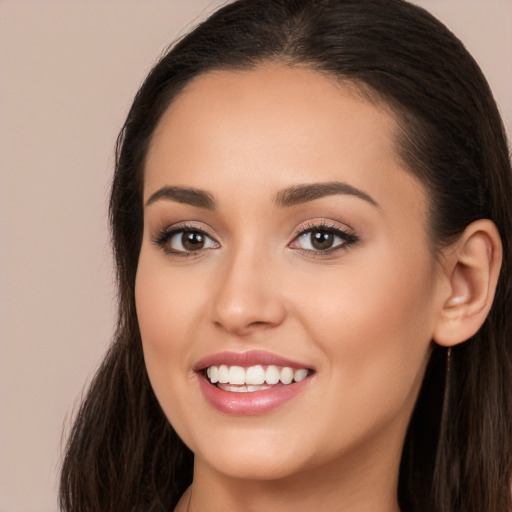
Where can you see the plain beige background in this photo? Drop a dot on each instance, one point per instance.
(68, 71)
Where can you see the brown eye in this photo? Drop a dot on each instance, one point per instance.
(185, 241)
(192, 240)
(321, 240)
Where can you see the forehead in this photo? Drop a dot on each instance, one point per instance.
(302, 104)
(275, 126)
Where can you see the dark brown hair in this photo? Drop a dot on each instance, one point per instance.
(122, 453)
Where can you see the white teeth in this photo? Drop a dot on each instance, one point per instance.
(299, 375)
(243, 389)
(255, 375)
(236, 375)
(253, 378)
(213, 374)
(286, 375)
(256, 388)
(223, 374)
(272, 374)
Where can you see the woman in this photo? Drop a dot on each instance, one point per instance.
(311, 228)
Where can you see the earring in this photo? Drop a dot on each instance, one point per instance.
(447, 379)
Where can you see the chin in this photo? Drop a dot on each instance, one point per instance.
(252, 467)
(248, 453)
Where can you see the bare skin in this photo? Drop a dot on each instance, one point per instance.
(360, 311)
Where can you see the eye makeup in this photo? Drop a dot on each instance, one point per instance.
(184, 240)
(315, 239)
(320, 239)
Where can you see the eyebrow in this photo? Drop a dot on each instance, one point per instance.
(191, 196)
(291, 196)
(298, 194)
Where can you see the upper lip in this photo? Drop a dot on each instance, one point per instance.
(245, 359)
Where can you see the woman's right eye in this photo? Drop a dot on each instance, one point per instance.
(184, 241)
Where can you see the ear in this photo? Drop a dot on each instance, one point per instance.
(471, 268)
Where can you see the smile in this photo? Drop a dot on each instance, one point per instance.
(250, 383)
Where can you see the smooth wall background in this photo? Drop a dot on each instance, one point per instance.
(68, 72)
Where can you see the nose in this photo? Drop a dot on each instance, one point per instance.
(247, 297)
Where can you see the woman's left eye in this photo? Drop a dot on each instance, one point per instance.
(323, 239)
(184, 241)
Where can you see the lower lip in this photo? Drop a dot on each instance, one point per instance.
(250, 403)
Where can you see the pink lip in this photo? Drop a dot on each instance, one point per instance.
(249, 358)
(249, 403)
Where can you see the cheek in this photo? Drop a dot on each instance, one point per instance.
(153, 306)
(165, 309)
(167, 304)
(374, 326)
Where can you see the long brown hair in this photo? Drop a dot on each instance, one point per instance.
(122, 453)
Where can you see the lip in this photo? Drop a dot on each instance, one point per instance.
(249, 403)
(248, 358)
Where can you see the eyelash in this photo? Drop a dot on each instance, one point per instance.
(347, 238)
(167, 234)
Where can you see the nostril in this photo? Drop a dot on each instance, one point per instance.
(257, 323)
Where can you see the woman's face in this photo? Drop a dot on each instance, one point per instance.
(284, 240)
